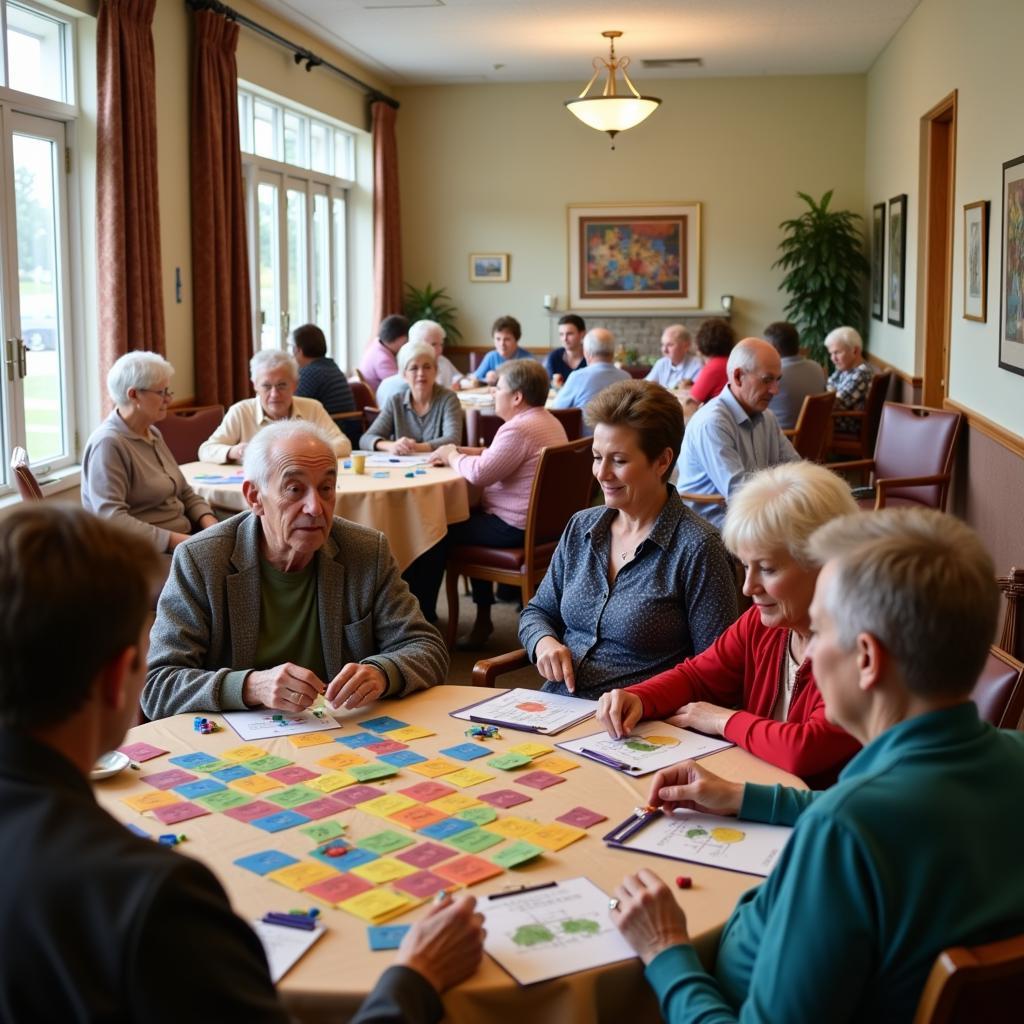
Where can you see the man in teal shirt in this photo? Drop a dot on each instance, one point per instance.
(916, 847)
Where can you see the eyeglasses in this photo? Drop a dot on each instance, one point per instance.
(766, 379)
(162, 392)
(281, 385)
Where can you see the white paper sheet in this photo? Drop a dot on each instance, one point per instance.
(650, 747)
(260, 725)
(405, 461)
(284, 946)
(530, 711)
(552, 931)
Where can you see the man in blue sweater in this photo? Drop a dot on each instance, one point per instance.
(916, 847)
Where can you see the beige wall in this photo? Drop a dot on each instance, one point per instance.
(492, 169)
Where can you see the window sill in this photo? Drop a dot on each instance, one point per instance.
(67, 479)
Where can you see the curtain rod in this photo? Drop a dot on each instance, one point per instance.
(300, 52)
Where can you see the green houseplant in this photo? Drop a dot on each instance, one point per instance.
(823, 257)
(431, 303)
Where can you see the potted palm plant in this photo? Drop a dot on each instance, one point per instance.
(430, 303)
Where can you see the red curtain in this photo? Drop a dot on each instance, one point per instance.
(128, 269)
(387, 236)
(222, 312)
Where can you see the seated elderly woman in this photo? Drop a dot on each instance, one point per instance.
(754, 685)
(643, 582)
(128, 472)
(275, 376)
(420, 417)
(505, 472)
(915, 849)
(852, 376)
(431, 332)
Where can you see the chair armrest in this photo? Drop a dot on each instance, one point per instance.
(702, 499)
(848, 414)
(838, 467)
(355, 414)
(488, 669)
(884, 484)
(789, 432)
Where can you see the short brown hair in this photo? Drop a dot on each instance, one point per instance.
(650, 410)
(784, 337)
(715, 337)
(77, 590)
(310, 341)
(507, 323)
(528, 377)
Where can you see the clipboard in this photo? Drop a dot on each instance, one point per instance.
(510, 710)
(650, 747)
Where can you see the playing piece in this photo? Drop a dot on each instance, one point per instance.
(342, 759)
(475, 840)
(338, 888)
(299, 876)
(539, 779)
(383, 724)
(467, 870)
(141, 751)
(555, 836)
(280, 821)
(385, 806)
(246, 812)
(434, 767)
(505, 798)
(467, 751)
(515, 854)
(426, 855)
(417, 816)
(323, 830)
(581, 817)
(292, 774)
(422, 884)
(369, 772)
(509, 762)
(384, 842)
(387, 869)
(171, 814)
(265, 862)
(387, 936)
(310, 739)
(427, 791)
(349, 859)
(169, 778)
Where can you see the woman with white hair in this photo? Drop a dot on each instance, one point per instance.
(275, 376)
(128, 472)
(421, 417)
(754, 685)
(852, 376)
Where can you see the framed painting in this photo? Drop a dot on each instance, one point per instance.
(641, 256)
(878, 261)
(488, 266)
(976, 260)
(1011, 278)
(896, 280)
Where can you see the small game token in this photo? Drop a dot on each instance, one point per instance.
(683, 882)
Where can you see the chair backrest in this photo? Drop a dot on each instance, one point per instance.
(571, 420)
(28, 486)
(914, 440)
(999, 691)
(561, 487)
(475, 359)
(813, 426)
(185, 430)
(968, 984)
(362, 393)
(481, 427)
(878, 392)
(370, 413)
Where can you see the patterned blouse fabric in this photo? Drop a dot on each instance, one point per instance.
(851, 388)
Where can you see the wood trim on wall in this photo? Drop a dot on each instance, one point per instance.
(1009, 440)
(914, 382)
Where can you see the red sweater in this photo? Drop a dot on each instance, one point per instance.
(711, 379)
(743, 668)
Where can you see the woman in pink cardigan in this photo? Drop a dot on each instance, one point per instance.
(505, 472)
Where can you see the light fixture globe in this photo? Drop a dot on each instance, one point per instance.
(611, 112)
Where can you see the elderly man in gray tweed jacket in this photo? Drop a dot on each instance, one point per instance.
(285, 602)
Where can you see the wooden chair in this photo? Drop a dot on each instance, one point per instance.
(487, 670)
(862, 444)
(350, 424)
(913, 460)
(999, 691)
(369, 414)
(24, 479)
(362, 393)
(813, 430)
(571, 420)
(1012, 586)
(481, 427)
(187, 428)
(969, 984)
(561, 487)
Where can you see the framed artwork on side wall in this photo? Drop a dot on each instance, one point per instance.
(896, 281)
(1011, 278)
(878, 261)
(488, 266)
(976, 260)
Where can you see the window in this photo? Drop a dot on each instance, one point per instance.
(36, 121)
(298, 167)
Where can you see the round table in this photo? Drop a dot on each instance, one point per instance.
(336, 974)
(413, 512)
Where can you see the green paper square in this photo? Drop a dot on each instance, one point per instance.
(475, 840)
(385, 842)
(223, 801)
(268, 763)
(518, 853)
(293, 796)
(478, 815)
(322, 831)
(214, 766)
(369, 772)
(508, 762)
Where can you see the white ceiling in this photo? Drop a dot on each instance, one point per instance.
(452, 41)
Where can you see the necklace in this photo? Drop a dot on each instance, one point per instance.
(624, 556)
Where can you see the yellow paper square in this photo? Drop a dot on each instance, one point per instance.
(409, 732)
(300, 876)
(560, 765)
(386, 869)
(151, 800)
(530, 749)
(513, 828)
(382, 806)
(310, 739)
(246, 752)
(377, 904)
(434, 768)
(330, 782)
(256, 784)
(454, 802)
(556, 835)
(466, 777)
(344, 759)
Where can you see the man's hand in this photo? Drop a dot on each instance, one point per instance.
(648, 916)
(704, 717)
(690, 786)
(619, 711)
(404, 446)
(447, 945)
(554, 662)
(356, 686)
(237, 452)
(286, 687)
(443, 456)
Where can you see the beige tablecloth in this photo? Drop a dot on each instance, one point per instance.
(329, 982)
(412, 512)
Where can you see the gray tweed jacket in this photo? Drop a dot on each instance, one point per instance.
(204, 638)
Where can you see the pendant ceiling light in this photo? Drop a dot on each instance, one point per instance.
(611, 112)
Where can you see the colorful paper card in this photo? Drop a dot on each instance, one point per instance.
(478, 815)
(293, 796)
(256, 784)
(422, 884)
(509, 762)
(338, 888)
(292, 774)
(171, 814)
(383, 724)
(310, 739)
(350, 858)
(427, 791)
(141, 751)
(555, 836)
(266, 861)
(359, 794)
(384, 842)
(512, 827)
(559, 765)
(475, 840)
(358, 739)
(386, 936)
(204, 787)
(454, 803)
(434, 768)
(236, 771)
(224, 801)
(330, 783)
(539, 779)
(377, 905)
(426, 855)
(210, 767)
(467, 870)
(531, 749)
(246, 812)
(370, 772)
(519, 852)
(387, 869)
(302, 875)
(343, 759)
(150, 801)
(246, 752)
(390, 803)
(168, 779)
(466, 777)
(322, 831)
(385, 747)
(446, 828)
(467, 751)
(505, 798)
(402, 758)
(417, 816)
(269, 763)
(193, 760)
(581, 817)
(280, 821)
(321, 807)
(409, 733)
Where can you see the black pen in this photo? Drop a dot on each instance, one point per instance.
(521, 889)
(618, 765)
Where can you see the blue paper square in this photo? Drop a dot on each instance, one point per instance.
(386, 936)
(282, 820)
(351, 860)
(358, 739)
(236, 771)
(196, 760)
(401, 758)
(383, 724)
(467, 751)
(204, 787)
(265, 862)
(446, 828)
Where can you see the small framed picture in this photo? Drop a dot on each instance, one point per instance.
(878, 261)
(488, 266)
(1011, 281)
(976, 260)
(896, 291)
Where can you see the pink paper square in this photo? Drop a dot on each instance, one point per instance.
(357, 795)
(386, 746)
(539, 779)
(581, 817)
(173, 813)
(427, 791)
(321, 808)
(292, 775)
(257, 809)
(423, 884)
(426, 855)
(343, 887)
(142, 751)
(172, 777)
(504, 798)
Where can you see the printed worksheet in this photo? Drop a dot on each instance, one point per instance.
(261, 725)
(530, 711)
(650, 747)
(405, 461)
(283, 946)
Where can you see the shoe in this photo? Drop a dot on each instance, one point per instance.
(476, 638)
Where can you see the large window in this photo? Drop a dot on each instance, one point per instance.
(36, 121)
(298, 167)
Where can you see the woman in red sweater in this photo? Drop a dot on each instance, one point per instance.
(715, 340)
(754, 685)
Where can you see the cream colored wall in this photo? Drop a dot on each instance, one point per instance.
(975, 49)
(492, 169)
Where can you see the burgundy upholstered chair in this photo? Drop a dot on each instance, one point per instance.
(184, 430)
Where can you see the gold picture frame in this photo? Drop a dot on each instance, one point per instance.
(488, 266)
